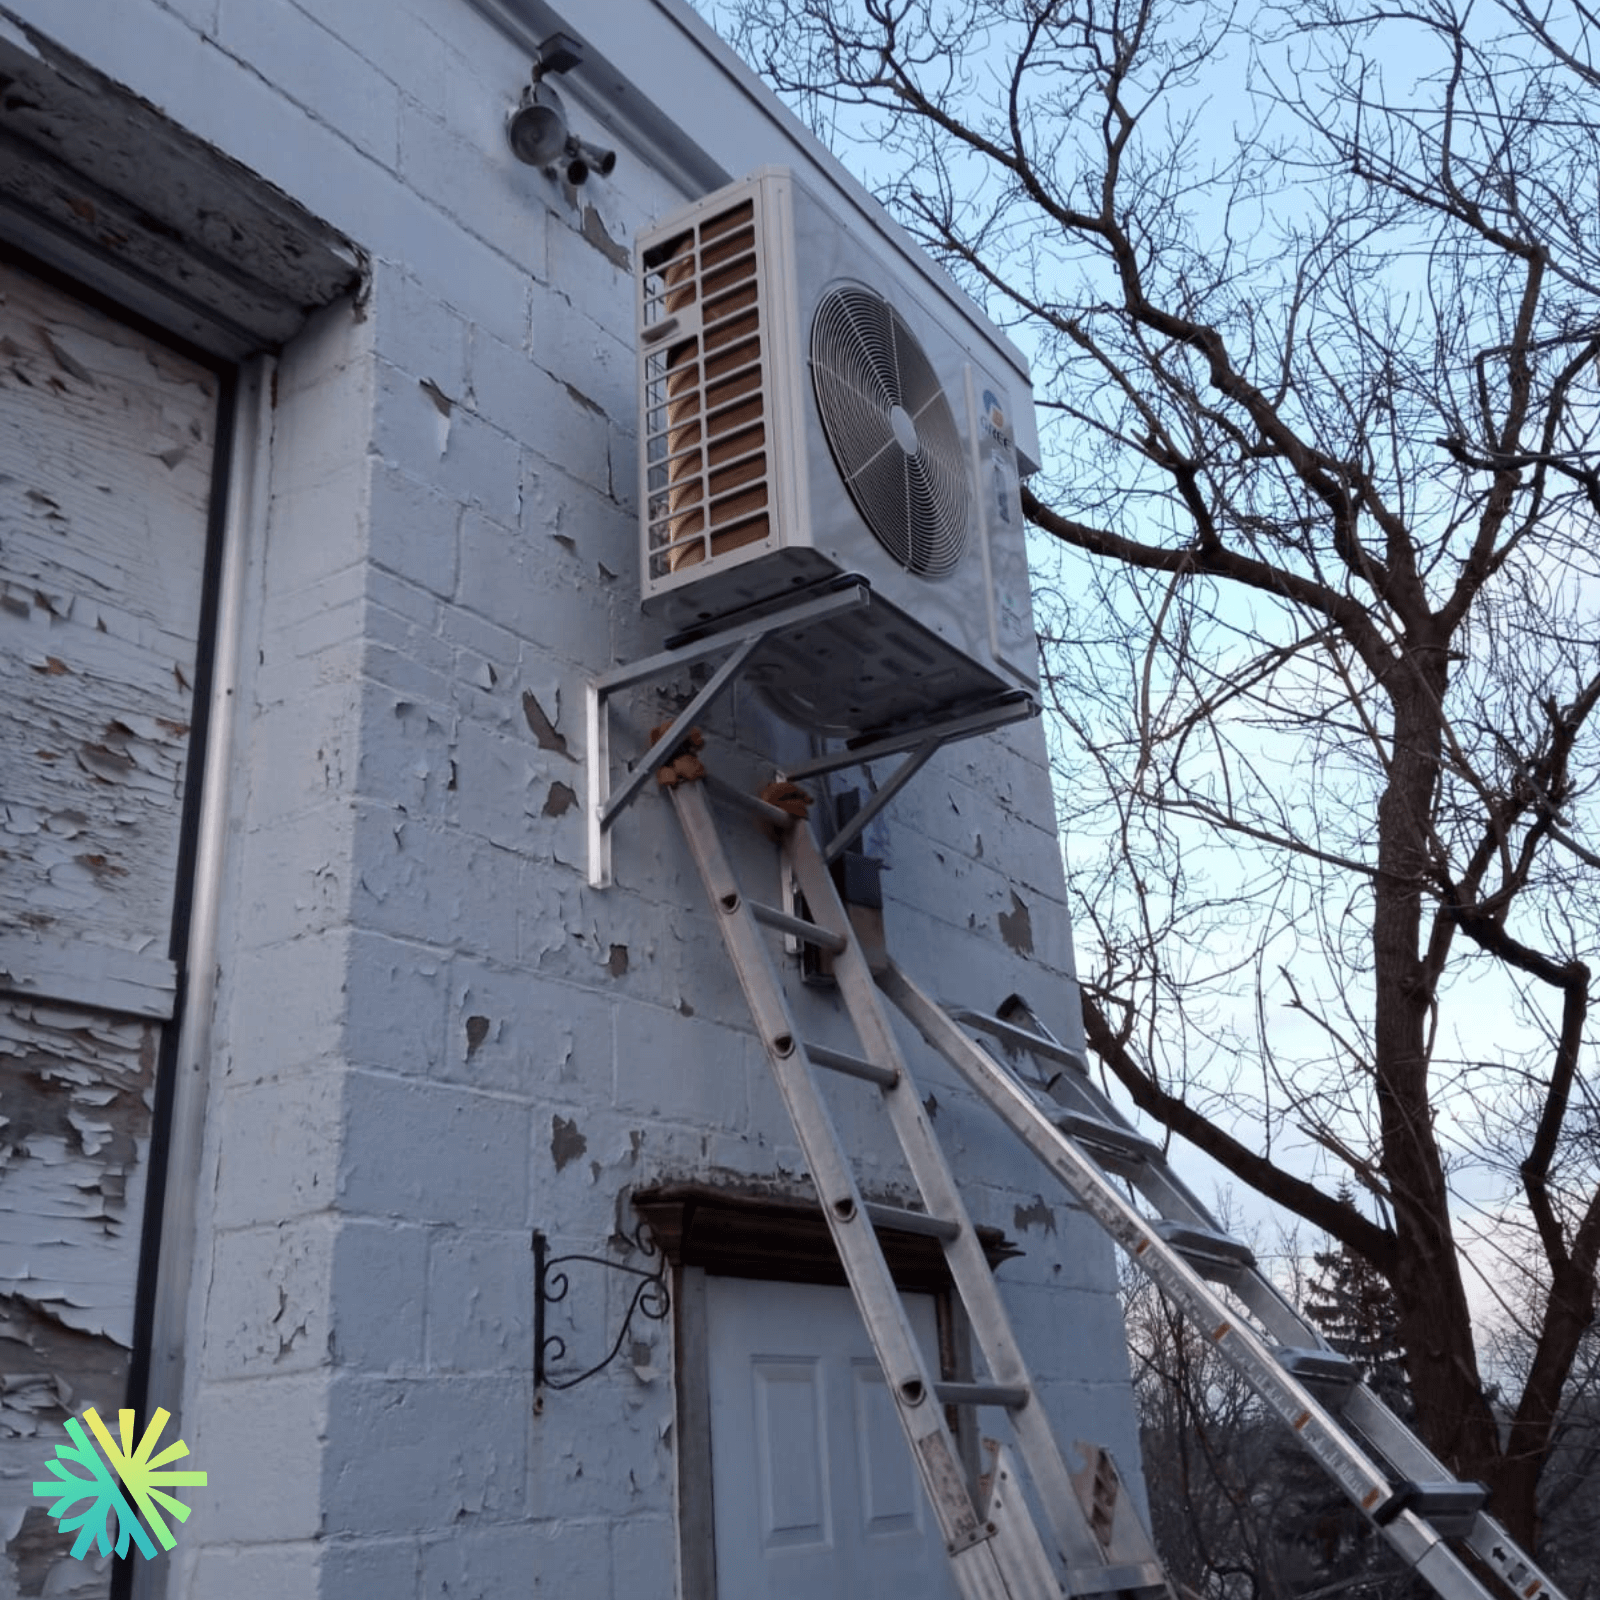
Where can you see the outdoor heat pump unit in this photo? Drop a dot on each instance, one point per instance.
(812, 409)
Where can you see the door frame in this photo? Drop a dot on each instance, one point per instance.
(780, 1235)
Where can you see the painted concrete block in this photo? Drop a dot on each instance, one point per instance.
(589, 532)
(592, 267)
(272, 1431)
(269, 1299)
(596, 358)
(458, 158)
(432, 1154)
(503, 786)
(295, 879)
(564, 1559)
(393, 596)
(444, 444)
(644, 1559)
(332, 83)
(509, 1030)
(259, 1572)
(435, 885)
(278, 1149)
(416, 331)
(265, 1039)
(396, 1006)
(674, 1068)
(315, 530)
(414, 666)
(413, 1457)
(379, 1292)
(400, 227)
(370, 1569)
(305, 751)
(407, 752)
(480, 1302)
(418, 38)
(507, 577)
(549, 413)
(412, 529)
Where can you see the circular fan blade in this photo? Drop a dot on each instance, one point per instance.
(890, 430)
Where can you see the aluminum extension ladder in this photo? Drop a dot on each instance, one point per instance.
(1093, 1543)
(1372, 1456)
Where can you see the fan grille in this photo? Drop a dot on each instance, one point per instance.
(891, 431)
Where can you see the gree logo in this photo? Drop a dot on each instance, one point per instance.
(83, 1473)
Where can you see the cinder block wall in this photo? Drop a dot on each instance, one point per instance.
(433, 1037)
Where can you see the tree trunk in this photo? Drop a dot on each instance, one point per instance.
(1452, 1413)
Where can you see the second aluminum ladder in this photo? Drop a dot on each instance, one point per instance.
(1377, 1461)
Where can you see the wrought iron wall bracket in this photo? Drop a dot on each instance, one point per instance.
(651, 1299)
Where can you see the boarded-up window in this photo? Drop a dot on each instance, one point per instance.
(107, 439)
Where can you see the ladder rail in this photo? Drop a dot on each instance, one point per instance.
(1339, 1454)
(910, 1384)
(963, 1254)
(999, 1552)
(1361, 1410)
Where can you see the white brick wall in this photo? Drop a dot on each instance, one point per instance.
(417, 985)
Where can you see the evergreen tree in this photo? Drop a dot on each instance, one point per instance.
(1354, 1307)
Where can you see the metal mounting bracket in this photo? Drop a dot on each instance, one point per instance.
(604, 804)
(738, 645)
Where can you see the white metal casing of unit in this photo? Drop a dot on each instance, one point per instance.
(744, 500)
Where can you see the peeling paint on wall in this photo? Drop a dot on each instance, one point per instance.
(566, 1143)
(594, 232)
(105, 460)
(543, 728)
(106, 444)
(1016, 926)
(76, 1092)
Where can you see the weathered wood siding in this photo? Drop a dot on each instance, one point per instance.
(106, 446)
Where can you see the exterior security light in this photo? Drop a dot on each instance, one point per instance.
(538, 130)
(538, 127)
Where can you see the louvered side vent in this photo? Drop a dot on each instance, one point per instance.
(705, 436)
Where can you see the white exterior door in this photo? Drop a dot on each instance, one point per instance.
(814, 1492)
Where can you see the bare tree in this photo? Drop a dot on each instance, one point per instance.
(1313, 298)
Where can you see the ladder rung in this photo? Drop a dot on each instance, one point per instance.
(1328, 1375)
(1008, 1033)
(1103, 1139)
(1212, 1253)
(852, 1066)
(754, 804)
(796, 927)
(1449, 1505)
(1010, 1395)
(1142, 1579)
(905, 1221)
